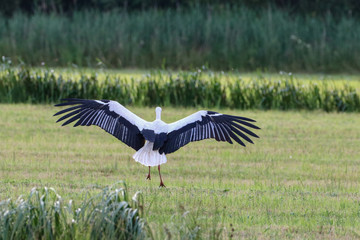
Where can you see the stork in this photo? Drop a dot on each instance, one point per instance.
(153, 140)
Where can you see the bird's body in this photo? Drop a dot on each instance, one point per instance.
(153, 140)
(152, 130)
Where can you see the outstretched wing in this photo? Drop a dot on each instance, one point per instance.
(109, 115)
(207, 124)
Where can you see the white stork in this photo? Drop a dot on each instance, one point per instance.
(153, 140)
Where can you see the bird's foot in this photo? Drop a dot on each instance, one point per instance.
(148, 177)
(162, 184)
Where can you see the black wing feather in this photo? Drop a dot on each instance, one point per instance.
(69, 115)
(246, 123)
(222, 127)
(67, 110)
(91, 112)
(244, 129)
(241, 118)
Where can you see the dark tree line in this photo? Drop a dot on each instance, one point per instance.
(307, 7)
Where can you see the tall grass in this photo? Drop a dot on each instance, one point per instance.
(43, 214)
(186, 89)
(228, 38)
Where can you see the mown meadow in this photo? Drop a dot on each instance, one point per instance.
(299, 180)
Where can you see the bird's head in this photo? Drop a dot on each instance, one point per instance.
(158, 113)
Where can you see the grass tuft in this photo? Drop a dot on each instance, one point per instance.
(44, 214)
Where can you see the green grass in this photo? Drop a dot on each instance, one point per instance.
(299, 180)
(223, 39)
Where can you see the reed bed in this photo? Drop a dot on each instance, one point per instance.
(185, 89)
(44, 214)
(222, 38)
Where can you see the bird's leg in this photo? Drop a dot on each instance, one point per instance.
(161, 181)
(148, 176)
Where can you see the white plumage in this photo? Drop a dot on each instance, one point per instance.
(153, 140)
(148, 157)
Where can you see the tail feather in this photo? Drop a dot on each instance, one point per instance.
(148, 157)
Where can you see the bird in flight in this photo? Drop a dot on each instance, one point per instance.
(153, 140)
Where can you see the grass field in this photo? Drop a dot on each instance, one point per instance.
(299, 180)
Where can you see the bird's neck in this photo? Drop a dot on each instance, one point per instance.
(158, 115)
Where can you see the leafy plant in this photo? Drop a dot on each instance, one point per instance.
(44, 214)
